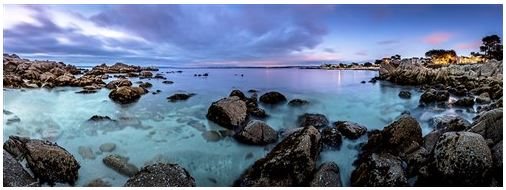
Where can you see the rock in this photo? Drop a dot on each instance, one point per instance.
(312, 119)
(168, 82)
(98, 183)
(146, 85)
(124, 95)
(402, 133)
(14, 119)
(86, 92)
(228, 112)
(331, 137)
(120, 164)
(287, 132)
(257, 132)
(48, 162)
(405, 94)
(298, 102)
(239, 94)
(100, 118)
(363, 82)
(350, 130)
(257, 112)
(433, 96)
(180, 97)
(107, 147)
(449, 122)
(497, 156)
(13, 81)
(462, 159)
(380, 170)
(161, 175)
(484, 98)
(489, 125)
(272, 97)
(14, 174)
(327, 175)
(146, 74)
(290, 163)
(464, 102)
(212, 136)
(140, 90)
(252, 91)
(86, 152)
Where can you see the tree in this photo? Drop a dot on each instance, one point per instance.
(378, 61)
(367, 64)
(441, 56)
(492, 47)
(396, 57)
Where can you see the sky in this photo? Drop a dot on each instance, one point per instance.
(242, 35)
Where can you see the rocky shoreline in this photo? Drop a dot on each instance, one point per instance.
(455, 153)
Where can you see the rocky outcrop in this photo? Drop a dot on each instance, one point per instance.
(312, 119)
(349, 129)
(272, 98)
(14, 175)
(118, 83)
(124, 95)
(257, 132)
(230, 112)
(161, 175)
(290, 163)
(48, 162)
(327, 175)
(120, 164)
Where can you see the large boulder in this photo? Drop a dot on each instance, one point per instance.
(380, 170)
(434, 96)
(331, 137)
(349, 129)
(124, 95)
(161, 175)
(230, 112)
(257, 132)
(272, 98)
(118, 83)
(313, 119)
(48, 162)
(489, 125)
(462, 159)
(15, 175)
(327, 175)
(290, 163)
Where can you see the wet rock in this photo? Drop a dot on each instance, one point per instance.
(257, 132)
(120, 164)
(212, 136)
(489, 125)
(86, 152)
(298, 102)
(239, 94)
(272, 97)
(327, 175)
(405, 94)
(146, 85)
(257, 112)
(86, 92)
(252, 91)
(462, 158)
(228, 112)
(349, 129)
(402, 133)
(13, 81)
(483, 98)
(161, 175)
(313, 119)
(146, 74)
(168, 82)
(49, 162)
(380, 170)
(118, 83)
(180, 97)
(434, 96)
(124, 95)
(14, 174)
(14, 119)
(287, 132)
(107, 147)
(98, 183)
(464, 102)
(290, 163)
(100, 118)
(331, 137)
(7, 112)
(449, 122)
(140, 90)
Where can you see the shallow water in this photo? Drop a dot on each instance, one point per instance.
(158, 129)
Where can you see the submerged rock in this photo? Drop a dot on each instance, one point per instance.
(230, 112)
(14, 174)
(313, 119)
(120, 164)
(257, 132)
(272, 97)
(327, 175)
(405, 94)
(146, 85)
(86, 152)
(349, 129)
(98, 183)
(107, 147)
(161, 175)
(180, 97)
(49, 162)
(124, 95)
(290, 163)
(298, 102)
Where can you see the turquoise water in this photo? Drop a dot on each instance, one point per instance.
(158, 129)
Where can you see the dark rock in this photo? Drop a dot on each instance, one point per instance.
(484, 98)
(489, 125)
(239, 94)
(327, 176)
(272, 98)
(146, 74)
(180, 97)
(363, 82)
(290, 163)
(118, 83)
(48, 162)
(433, 96)
(146, 85)
(257, 112)
(161, 175)
(449, 122)
(100, 118)
(464, 102)
(228, 112)
(124, 95)
(86, 92)
(349, 129)
(252, 91)
(331, 137)
(15, 175)
(168, 82)
(257, 132)
(312, 119)
(405, 94)
(380, 170)
(120, 164)
(298, 102)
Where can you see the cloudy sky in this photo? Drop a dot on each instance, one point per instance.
(242, 35)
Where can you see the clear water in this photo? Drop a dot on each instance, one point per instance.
(160, 131)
